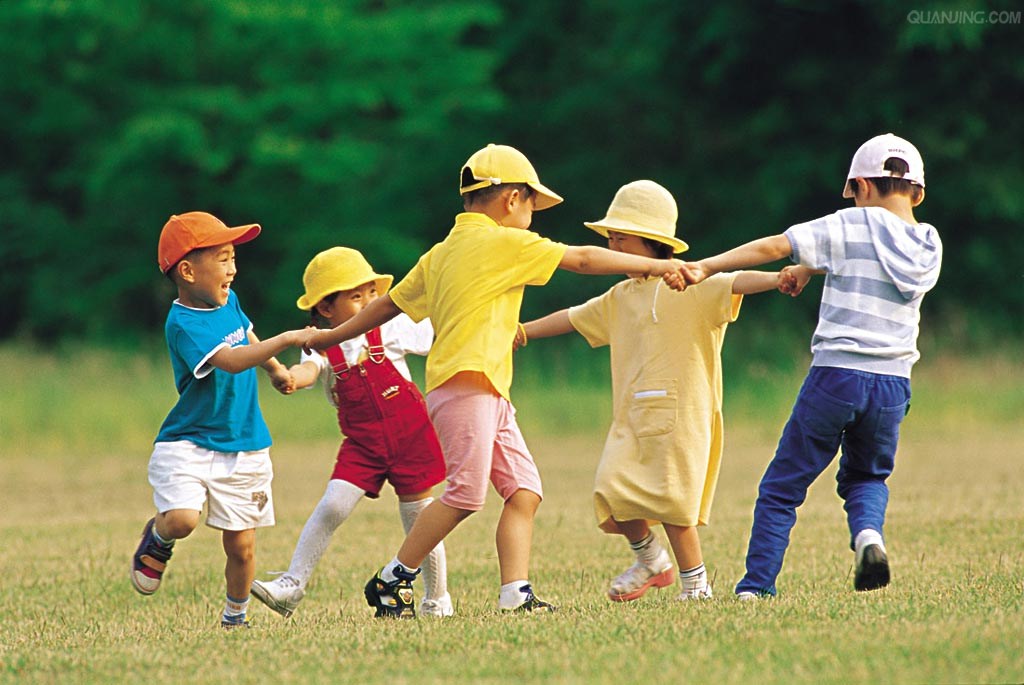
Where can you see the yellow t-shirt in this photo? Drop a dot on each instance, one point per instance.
(471, 286)
(662, 453)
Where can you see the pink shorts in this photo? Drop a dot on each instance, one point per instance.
(481, 442)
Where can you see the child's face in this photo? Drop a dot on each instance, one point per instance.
(630, 244)
(347, 303)
(205, 277)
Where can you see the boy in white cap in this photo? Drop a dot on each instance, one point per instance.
(471, 286)
(878, 263)
(661, 458)
(213, 448)
(381, 413)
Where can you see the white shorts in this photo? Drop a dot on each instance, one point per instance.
(234, 485)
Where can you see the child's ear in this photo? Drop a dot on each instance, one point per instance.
(322, 308)
(185, 271)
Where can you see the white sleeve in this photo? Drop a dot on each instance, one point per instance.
(412, 337)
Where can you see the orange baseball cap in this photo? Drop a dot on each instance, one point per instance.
(186, 232)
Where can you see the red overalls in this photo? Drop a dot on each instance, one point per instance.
(383, 417)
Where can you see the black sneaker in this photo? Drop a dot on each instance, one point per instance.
(532, 604)
(392, 599)
(235, 625)
(872, 569)
(149, 561)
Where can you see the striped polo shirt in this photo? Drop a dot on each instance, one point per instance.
(877, 270)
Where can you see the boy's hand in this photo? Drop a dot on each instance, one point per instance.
(674, 277)
(283, 381)
(793, 279)
(520, 339)
(694, 272)
(311, 342)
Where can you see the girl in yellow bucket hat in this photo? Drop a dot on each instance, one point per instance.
(661, 457)
(388, 435)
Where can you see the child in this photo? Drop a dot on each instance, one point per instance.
(878, 263)
(382, 415)
(471, 286)
(661, 458)
(213, 447)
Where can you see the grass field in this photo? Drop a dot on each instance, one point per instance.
(75, 434)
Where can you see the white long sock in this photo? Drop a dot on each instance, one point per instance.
(339, 499)
(435, 566)
(647, 550)
(511, 594)
(693, 579)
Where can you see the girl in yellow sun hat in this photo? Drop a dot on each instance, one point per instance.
(388, 435)
(661, 457)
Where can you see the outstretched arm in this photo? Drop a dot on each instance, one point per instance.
(258, 353)
(546, 327)
(378, 312)
(752, 282)
(754, 253)
(590, 259)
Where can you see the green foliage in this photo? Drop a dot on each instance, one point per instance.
(346, 122)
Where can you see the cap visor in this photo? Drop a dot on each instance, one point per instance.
(545, 196)
(235, 235)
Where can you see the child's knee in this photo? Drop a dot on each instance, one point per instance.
(177, 523)
(240, 545)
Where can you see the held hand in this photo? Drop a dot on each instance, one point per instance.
(283, 382)
(793, 279)
(520, 340)
(694, 272)
(673, 277)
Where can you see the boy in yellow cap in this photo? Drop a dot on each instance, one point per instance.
(213, 448)
(661, 458)
(471, 286)
(388, 435)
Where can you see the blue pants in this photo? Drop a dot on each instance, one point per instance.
(856, 410)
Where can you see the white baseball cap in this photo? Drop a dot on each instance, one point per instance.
(870, 158)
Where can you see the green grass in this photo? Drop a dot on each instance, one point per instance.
(75, 437)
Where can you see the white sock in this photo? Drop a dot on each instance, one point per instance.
(339, 499)
(867, 537)
(693, 579)
(511, 594)
(435, 566)
(387, 574)
(234, 609)
(647, 550)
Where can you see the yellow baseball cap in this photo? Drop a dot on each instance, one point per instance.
(497, 164)
(642, 208)
(339, 268)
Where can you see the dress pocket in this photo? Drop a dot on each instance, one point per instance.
(653, 408)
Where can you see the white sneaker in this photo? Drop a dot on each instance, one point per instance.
(747, 596)
(640, 577)
(697, 593)
(281, 594)
(441, 607)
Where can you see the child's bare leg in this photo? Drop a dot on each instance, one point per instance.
(635, 530)
(176, 524)
(431, 527)
(239, 572)
(693, 577)
(515, 535)
(435, 566)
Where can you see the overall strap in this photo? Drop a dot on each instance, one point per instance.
(374, 346)
(337, 360)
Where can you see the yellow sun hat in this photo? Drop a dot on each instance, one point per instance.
(339, 268)
(497, 164)
(645, 209)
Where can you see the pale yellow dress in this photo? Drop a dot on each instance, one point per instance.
(662, 454)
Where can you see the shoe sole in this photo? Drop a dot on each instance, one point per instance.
(260, 593)
(663, 579)
(873, 571)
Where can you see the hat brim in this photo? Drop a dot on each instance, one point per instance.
(236, 235)
(604, 226)
(545, 196)
(310, 300)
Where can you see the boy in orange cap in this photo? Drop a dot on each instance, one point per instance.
(213, 447)
(471, 286)
(388, 435)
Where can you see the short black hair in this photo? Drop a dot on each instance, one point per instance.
(661, 250)
(486, 193)
(892, 185)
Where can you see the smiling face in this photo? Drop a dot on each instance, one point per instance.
(344, 304)
(204, 276)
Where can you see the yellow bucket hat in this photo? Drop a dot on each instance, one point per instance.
(642, 208)
(339, 268)
(497, 164)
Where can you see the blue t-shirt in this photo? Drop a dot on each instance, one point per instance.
(216, 409)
